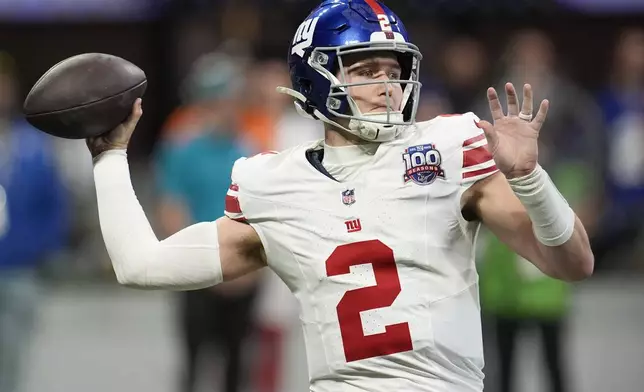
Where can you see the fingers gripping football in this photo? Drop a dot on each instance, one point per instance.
(119, 137)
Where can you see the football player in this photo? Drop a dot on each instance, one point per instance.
(372, 228)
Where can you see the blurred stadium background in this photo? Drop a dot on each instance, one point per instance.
(213, 65)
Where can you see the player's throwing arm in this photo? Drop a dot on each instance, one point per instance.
(199, 256)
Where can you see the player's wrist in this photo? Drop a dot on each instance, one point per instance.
(520, 175)
(103, 144)
(552, 218)
(108, 152)
(520, 181)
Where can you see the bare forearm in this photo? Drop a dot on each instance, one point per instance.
(560, 237)
(571, 261)
(563, 254)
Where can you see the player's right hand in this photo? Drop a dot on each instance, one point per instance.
(119, 137)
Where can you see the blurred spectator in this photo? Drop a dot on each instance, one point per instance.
(622, 103)
(464, 69)
(571, 136)
(33, 224)
(274, 123)
(200, 144)
(270, 117)
(84, 256)
(514, 294)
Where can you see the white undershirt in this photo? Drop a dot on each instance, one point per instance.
(345, 163)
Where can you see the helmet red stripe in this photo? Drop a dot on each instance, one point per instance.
(375, 7)
(378, 10)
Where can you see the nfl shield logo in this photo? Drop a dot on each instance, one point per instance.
(349, 197)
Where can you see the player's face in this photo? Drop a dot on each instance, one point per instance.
(372, 98)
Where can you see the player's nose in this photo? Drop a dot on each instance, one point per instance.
(385, 89)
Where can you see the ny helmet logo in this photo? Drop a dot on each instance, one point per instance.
(304, 36)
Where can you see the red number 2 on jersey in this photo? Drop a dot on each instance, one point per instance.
(396, 338)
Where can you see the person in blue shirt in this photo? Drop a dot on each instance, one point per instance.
(34, 223)
(622, 105)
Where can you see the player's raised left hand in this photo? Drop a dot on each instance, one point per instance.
(512, 139)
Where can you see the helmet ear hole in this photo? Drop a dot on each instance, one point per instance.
(306, 87)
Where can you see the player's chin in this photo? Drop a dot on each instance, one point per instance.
(381, 110)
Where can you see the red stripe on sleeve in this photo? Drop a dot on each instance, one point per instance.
(474, 140)
(232, 205)
(476, 156)
(479, 172)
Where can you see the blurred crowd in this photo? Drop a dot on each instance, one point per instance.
(591, 145)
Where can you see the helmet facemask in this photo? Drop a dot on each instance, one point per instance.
(378, 126)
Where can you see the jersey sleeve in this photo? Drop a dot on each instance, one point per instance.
(477, 162)
(246, 200)
(232, 207)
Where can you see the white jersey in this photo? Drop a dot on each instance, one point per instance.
(382, 266)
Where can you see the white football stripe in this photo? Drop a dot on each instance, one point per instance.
(231, 193)
(479, 166)
(475, 145)
(235, 215)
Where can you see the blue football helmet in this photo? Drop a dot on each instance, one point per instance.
(337, 28)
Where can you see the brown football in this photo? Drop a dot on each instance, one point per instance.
(84, 96)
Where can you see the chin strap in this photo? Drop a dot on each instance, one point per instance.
(363, 129)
